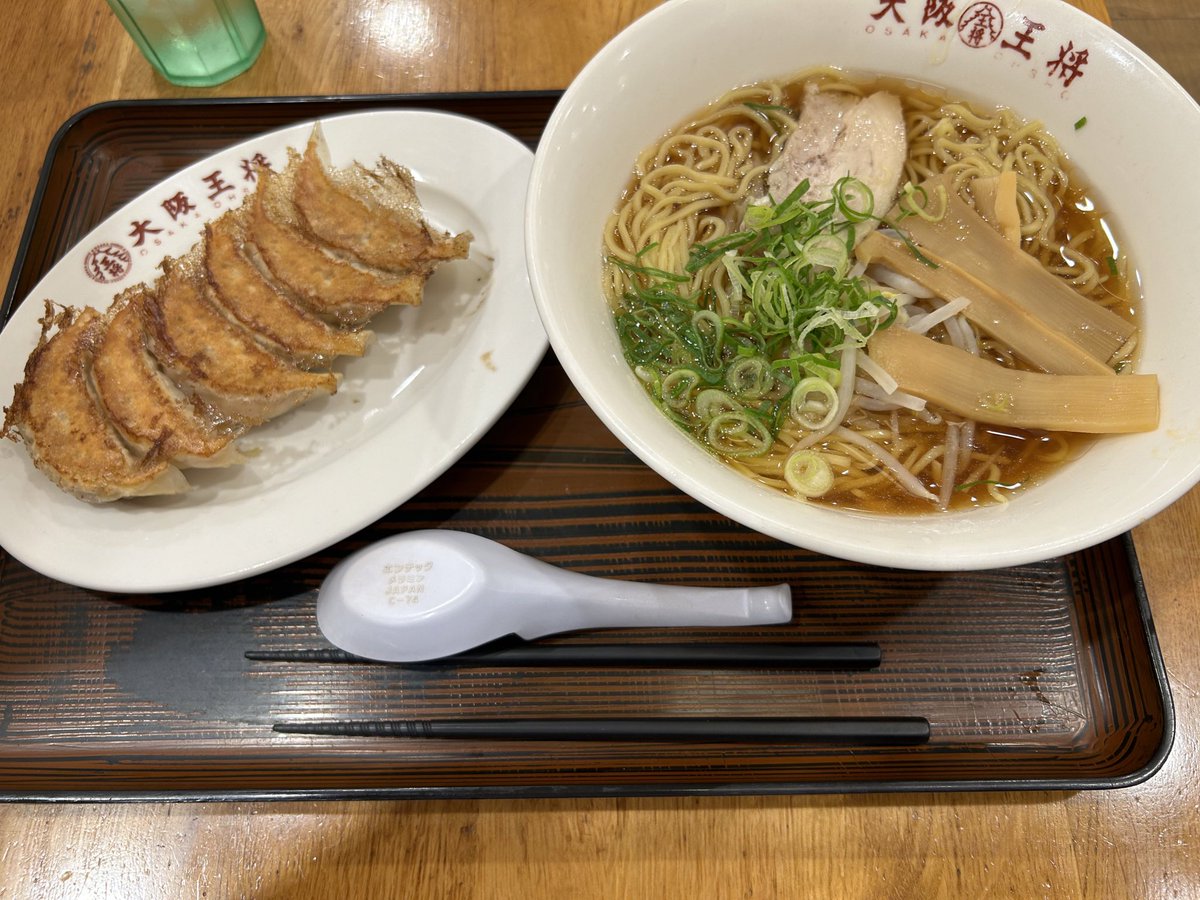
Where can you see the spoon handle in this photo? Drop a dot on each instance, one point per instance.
(584, 601)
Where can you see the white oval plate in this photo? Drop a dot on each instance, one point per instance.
(433, 381)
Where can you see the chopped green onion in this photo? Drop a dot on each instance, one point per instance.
(1112, 267)
(912, 207)
(1082, 121)
(712, 403)
(854, 200)
(808, 474)
(738, 434)
(646, 270)
(749, 377)
(916, 251)
(814, 403)
(733, 371)
(677, 388)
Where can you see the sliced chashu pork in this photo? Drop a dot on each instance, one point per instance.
(55, 414)
(214, 358)
(840, 134)
(375, 215)
(146, 408)
(330, 285)
(252, 298)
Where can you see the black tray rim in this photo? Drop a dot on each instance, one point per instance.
(548, 791)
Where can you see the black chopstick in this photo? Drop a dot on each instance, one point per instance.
(875, 730)
(697, 654)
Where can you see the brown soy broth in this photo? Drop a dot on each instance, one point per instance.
(1025, 457)
(1084, 222)
(1029, 465)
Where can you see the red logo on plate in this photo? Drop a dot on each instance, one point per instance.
(107, 263)
(980, 24)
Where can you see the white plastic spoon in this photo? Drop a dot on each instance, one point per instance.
(424, 595)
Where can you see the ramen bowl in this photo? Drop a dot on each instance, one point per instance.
(1122, 121)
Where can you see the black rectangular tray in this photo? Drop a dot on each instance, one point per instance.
(1045, 676)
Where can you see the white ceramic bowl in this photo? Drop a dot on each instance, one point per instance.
(1136, 150)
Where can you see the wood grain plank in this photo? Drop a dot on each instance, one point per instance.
(1174, 42)
(1139, 843)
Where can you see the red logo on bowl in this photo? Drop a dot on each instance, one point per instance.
(980, 24)
(106, 263)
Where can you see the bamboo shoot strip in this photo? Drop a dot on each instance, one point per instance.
(1028, 336)
(988, 392)
(1007, 216)
(974, 247)
(996, 202)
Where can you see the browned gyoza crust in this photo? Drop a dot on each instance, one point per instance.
(332, 287)
(250, 297)
(373, 214)
(68, 438)
(145, 407)
(207, 354)
(241, 329)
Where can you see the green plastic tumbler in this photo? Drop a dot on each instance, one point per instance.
(195, 43)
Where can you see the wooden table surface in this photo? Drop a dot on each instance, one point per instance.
(1139, 842)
